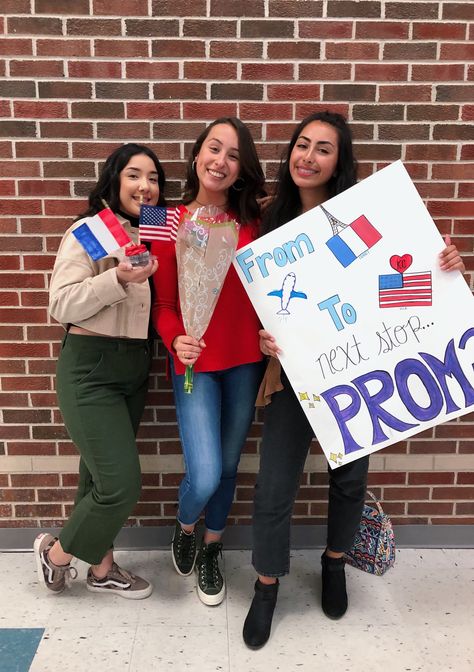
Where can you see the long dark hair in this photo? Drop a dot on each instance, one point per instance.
(108, 184)
(287, 202)
(250, 183)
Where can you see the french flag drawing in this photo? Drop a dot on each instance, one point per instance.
(101, 234)
(400, 290)
(352, 240)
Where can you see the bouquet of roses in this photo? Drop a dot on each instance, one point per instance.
(205, 246)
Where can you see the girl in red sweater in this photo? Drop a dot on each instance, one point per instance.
(224, 171)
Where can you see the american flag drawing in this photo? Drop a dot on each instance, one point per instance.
(400, 290)
(158, 223)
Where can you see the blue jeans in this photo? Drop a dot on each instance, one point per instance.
(213, 424)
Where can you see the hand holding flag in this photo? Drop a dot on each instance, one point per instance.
(100, 234)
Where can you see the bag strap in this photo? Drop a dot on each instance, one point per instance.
(376, 502)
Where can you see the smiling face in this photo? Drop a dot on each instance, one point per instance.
(313, 159)
(218, 163)
(138, 184)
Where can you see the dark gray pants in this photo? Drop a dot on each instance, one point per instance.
(287, 435)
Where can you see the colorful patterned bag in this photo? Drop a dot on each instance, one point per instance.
(374, 545)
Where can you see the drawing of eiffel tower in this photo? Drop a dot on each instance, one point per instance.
(336, 223)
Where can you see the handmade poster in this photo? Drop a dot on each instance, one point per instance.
(377, 341)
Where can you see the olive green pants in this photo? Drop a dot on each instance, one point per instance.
(101, 385)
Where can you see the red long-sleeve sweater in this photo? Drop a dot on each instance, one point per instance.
(232, 335)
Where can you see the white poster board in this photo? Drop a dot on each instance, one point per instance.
(377, 341)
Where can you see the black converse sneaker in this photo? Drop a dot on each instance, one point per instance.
(211, 586)
(183, 550)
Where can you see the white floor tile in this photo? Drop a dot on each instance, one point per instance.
(418, 618)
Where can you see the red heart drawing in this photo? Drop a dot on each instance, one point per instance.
(401, 264)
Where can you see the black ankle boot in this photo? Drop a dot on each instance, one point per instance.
(333, 596)
(258, 623)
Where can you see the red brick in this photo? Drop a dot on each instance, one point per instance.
(25, 150)
(464, 508)
(352, 51)
(267, 71)
(97, 110)
(431, 478)
(7, 188)
(354, 8)
(154, 71)
(23, 25)
(430, 508)
(300, 50)
(264, 111)
(432, 112)
(391, 72)
(16, 6)
(458, 11)
(151, 27)
(381, 30)
(209, 111)
(439, 31)
(456, 493)
(18, 88)
(210, 70)
(409, 51)
(235, 50)
(153, 110)
(62, 207)
(93, 27)
(121, 48)
(94, 69)
(179, 49)
(44, 188)
(353, 92)
(324, 71)
(66, 129)
(34, 480)
(457, 52)
(34, 68)
(411, 10)
(325, 29)
(61, 7)
(127, 7)
(10, 333)
(189, 90)
(66, 47)
(6, 149)
(430, 152)
(72, 89)
(69, 169)
(404, 132)
(403, 92)
(36, 510)
(122, 131)
(24, 349)
(294, 92)
(236, 8)
(14, 47)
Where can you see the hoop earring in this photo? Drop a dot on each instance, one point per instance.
(194, 166)
(241, 186)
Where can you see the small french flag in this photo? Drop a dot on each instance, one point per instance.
(353, 240)
(101, 234)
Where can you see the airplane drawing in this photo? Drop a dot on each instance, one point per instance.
(286, 293)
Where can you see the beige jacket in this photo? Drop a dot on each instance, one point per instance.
(88, 294)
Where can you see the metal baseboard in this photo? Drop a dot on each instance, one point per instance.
(239, 537)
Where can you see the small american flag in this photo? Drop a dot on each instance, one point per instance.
(399, 290)
(158, 223)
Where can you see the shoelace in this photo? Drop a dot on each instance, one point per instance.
(186, 543)
(209, 566)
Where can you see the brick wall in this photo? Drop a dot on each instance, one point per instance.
(77, 79)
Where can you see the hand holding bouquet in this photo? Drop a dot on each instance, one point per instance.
(205, 246)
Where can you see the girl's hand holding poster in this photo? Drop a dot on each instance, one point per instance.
(377, 341)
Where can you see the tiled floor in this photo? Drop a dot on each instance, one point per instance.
(418, 617)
